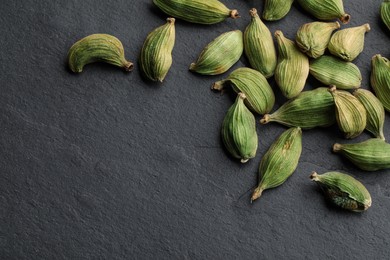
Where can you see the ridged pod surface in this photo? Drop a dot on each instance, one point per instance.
(385, 12)
(326, 9)
(380, 79)
(276, 9)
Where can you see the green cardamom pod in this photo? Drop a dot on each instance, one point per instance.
(333, 71)
(380, 79)
(375, 112)
(348, 43)
(385, 12)
(156, 53)
(197, 11)
(343, 190)
(259, 95)
(313, 38)
(239, 131)
(313, 108)
(259, 46)
(280, 161)
(97, 47)
(276, 9)
(326, 9)
(370, 155)
(351, 115)
(220, 54)
(292, 69)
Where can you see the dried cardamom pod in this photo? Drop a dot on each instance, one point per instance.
(370, 155)
(220, 54)
(313, 38)
(197, 11)
(259, 46)
(343, 190)
(156, 53)
(276, 9)
(375, 112)
(326, 9)
(350, 113)
(380, 79)
(280, 161)
(259, 95)
(97, 47)
(385, 12)
(292, 69)
(348, 43)
(239, 131)
(313, 108)
(333, 71)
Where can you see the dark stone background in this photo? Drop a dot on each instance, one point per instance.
(104, 165)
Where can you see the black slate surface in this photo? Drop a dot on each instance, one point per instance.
(105, 165)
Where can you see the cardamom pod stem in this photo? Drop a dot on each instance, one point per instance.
(380, 79)
(385, 13)
(276, 9)
(326, 9)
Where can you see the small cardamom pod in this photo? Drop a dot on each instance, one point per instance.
(313, 38)
(239, 131)
(333, 71)
(348, 43)
(197, 11)
(385, 12)
(280, 161)
(97, 47)
(343, 190)
(259, 46)
(276, 9)
(259, 95)
(350, 113)
(375, 112)
(326, 9)
(292, 69)
(312, 108)
(370, 155)
(156, 53)
(220, 54)
(380, 79)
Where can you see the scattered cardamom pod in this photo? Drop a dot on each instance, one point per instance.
(220, 54)
(350, 113)
(375, 112)
(280, 161)
(156, 53)
(370, 155)
(326, 9)
(259, 46)
(292, 69)
(348, 43)
(313, 38)
(312, 108)
(239, 131)
(385, 12)
(259, 95)
(343, 190)
(380, 79)
(276, 9)
(197, 11)
(97, 47)
(333, 71)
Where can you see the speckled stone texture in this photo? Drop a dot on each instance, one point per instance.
(105, 165)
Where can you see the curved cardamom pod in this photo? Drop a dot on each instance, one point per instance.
(259, 46)
(326, 9)
(220, 54)
(333, 71)
(343, 190)
(259, 95)
(97, 47)
(380, 79)
(292, 69)
(351, 115)
(239, 131)
(348, 43)
(280, 161)
(375, 112)
(313, 108)
(197, 11)
(313, 38)
(276, 9)
(385, 12)
(156, 53)
(370, 155)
